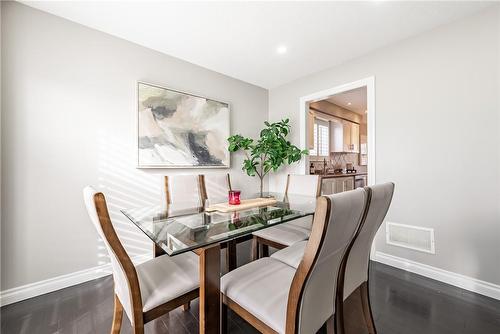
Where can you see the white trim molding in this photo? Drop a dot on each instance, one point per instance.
(370, 96)
(31, 290)
(465, 282)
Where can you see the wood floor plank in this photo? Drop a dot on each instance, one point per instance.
(402, 303)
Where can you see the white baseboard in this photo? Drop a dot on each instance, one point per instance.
(56, 283)
(458, 280)
(52, 284)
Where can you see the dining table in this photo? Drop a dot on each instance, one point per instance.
(180, 227)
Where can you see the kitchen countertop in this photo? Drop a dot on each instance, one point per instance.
(329, 176)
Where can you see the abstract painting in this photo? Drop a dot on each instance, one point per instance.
(177, 129)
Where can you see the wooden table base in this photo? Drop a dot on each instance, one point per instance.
(210, 289)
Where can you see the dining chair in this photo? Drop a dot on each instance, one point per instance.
(355, 271)
(150, 289)
(277, 298)
(216, 187)
(184, 191)
(297, 230)
(183, 194)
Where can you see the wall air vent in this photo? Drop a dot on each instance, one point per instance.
(412, 237)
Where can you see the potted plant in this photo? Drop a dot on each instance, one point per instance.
(269, 152)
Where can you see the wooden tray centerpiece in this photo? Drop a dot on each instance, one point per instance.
(245, 204)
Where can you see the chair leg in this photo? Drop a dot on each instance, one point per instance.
(223, 320)
(339, 313)
(117, 316)
(367, 310)
(255, 249)
(330, 325)
(231, 256)
(158, 251)
(265, 250)
(139, 329)
(186, 306)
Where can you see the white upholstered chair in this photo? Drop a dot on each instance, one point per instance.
(217, 187)
(357, 262)
(355, 269)
(277, 298)
(150, 289)
(287, 234)
(216, 190)
(184, 192)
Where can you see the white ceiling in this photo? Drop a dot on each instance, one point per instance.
(240, 39)
(353, 100)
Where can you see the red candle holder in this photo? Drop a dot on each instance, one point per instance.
(234, 197)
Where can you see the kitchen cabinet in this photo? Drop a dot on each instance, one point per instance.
(344, 184)
(360, 181)
(336, 185)
(344, 136)
(327, 187)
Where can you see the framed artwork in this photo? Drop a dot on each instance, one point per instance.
(180, 130)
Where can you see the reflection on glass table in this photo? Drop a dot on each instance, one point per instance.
(181, 230)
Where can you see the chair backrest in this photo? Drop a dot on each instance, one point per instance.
(307, 185)
(312, 294)
(184, 191)
(217, 186)
(356, 271)
(124, 273)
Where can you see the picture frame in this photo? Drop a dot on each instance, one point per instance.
(178, 129)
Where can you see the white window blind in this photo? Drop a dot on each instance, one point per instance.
(314, 151)
(321, 138)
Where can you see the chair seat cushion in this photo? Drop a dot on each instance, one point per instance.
(286, 234)
(165, 278)
(291, 255)
(261, 287)
(304, 222)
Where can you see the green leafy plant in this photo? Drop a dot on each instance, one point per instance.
(269, 152)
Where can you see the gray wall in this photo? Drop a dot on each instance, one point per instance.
(437, 137)
(68, 120)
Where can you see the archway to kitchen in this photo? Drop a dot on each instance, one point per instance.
(337, 125)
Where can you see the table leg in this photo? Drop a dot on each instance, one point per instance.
(231, 255)
(157, 250)
(210, 290)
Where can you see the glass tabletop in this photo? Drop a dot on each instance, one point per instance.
(181, 228)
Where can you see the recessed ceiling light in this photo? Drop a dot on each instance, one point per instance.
(281, 49)
(349, 103)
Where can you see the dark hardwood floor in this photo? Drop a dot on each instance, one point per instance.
(402, 303)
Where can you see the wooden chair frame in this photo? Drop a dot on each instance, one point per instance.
(202, 193)
(230, 246)
(202, 189)
(157, 251)
(335, 324)
(362, 291)
(339, 296)
(316, 240)
(139, 318)
(260, 246)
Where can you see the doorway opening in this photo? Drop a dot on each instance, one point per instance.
(337, 125)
